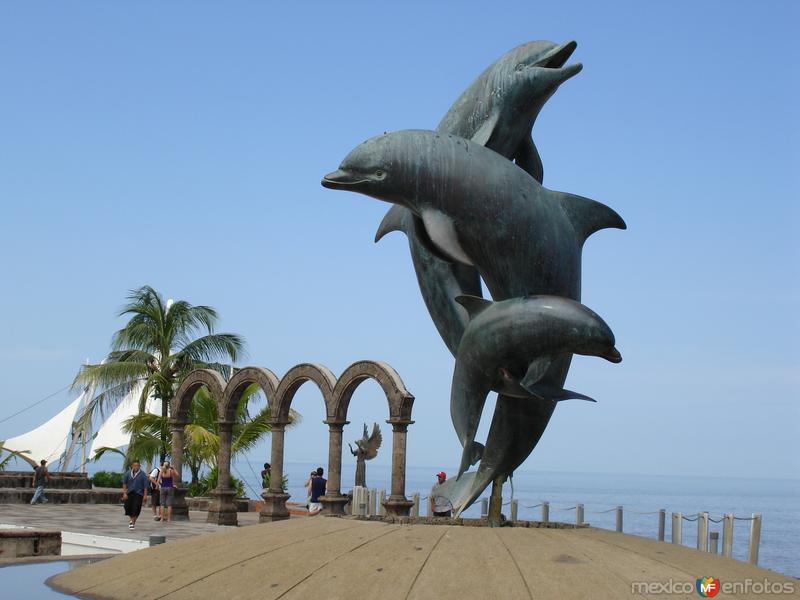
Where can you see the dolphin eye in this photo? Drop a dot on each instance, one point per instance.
(519, 67)
(379, 174)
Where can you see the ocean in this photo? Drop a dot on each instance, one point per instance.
(777, 500)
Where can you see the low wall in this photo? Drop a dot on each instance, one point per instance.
(60, 496)
(57, 480)
(202, 502)
(19, 543)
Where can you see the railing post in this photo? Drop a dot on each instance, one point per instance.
(619, 519)
(514, 510)
(714, 542)
(484, 507)
(428, 509)
(702, 532)
(381, 500)
(755, 539)
(373, 502)
(545, 512)
(677, 528)
(662, 523)
(415, 508)
(727, 535)
(579, 514)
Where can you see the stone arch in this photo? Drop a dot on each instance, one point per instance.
(223, 506)
(291, 382)
(188, 388)
(399, 398)
(241, 380)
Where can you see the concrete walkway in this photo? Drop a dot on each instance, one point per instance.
(345, 559)
(107, 520)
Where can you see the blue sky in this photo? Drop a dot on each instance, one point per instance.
(182, 146)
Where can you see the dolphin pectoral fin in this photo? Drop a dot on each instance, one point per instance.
(394, 220)
(426, 242)
(558, 394)
(527, 157)
(484, 134)
(588, 216)
(442, 233)
(473, 304)
(536, 370)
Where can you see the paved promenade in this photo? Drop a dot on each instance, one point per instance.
(108, 520)
(345, 559)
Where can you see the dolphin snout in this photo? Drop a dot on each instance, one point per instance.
(613, 356)
(341, 179)
(559, 55)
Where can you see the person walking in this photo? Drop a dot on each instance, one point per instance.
(155, 496)
(318, 485)
(440, 504)
(134, 492)
(166, 482)
(40, 477)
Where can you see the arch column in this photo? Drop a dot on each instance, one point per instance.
(222, 509)
(180, 510)
(275, 498)
(333, 501)
(397, 504)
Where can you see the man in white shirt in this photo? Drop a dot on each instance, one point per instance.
(155, 496)
(440, 504)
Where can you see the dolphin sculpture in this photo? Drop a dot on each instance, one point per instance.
(508, 95)
(508, 347)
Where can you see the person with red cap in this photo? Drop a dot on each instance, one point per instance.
(440, 504)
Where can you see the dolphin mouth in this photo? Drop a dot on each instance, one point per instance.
(613, 356)
(341, 180)
(558, 56)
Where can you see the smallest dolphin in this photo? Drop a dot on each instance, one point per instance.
(508, 346)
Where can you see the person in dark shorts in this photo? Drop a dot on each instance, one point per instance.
(166, 482)
(40, 477)
(155, 496)
(318, 485)
(134, 492)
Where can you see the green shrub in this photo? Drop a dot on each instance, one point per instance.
(106, 479)
(208, 482)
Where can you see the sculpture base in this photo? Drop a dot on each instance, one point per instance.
(274, 507)
(180, 510)
(398, 506)
(222, 510)
(333, 506)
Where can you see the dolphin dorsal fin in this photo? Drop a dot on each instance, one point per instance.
(484, 134)
(473, 304)
(442, 233)
(394, 220)
(588, 216)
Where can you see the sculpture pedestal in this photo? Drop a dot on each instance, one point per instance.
(180, 510)
(333, 506)
(398, 506)
(274, 507)
(222, 510)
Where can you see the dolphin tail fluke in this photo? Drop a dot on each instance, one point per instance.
(394, 220)
(588, 216)
(458, 491)
(472, 453)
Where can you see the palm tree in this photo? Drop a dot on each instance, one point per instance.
(160, 344)
(12, 455)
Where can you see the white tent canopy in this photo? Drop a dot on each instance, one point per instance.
(110, 434)
(48, 441)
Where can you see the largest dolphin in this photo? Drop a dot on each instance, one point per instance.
(479, 209)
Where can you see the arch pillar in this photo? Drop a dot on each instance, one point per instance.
(397, 504)
(180, 510)
(333, 501)
(222, 509)
(275, 498)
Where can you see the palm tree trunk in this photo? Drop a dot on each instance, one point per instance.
(165, 415)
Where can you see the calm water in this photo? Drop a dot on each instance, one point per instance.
(777, 500)
(27, 581)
